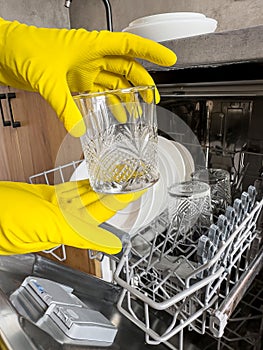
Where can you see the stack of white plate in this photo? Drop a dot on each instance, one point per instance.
(170, 26)
(176, 165)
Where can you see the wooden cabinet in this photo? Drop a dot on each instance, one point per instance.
(33, 147)
(11, 162)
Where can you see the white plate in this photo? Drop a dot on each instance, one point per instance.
(166, 17)
(153, 204)
(169, 173)
(173, 29)
(125, 220)
(172, 170)
(188, 160)
(81, 172)
(175, 158)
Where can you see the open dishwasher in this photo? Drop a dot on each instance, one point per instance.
(208, 296)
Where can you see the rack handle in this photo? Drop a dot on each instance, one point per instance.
(5, 122)
(15, 123)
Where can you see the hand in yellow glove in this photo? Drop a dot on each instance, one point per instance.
(56, 62)
(41, 217)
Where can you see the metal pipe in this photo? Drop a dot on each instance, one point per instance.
(108, 12)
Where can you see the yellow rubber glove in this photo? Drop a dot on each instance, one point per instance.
(57, 62)
(40, 217)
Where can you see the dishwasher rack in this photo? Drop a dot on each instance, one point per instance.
(59, 174)
(199, 283)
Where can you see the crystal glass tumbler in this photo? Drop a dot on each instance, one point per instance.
(186, 201)
(120, 143)
(219, 182)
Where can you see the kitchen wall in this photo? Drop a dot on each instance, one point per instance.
(45, 13)
(230, 14)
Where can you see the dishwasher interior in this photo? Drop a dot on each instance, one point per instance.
(210, 293)
(203, 284)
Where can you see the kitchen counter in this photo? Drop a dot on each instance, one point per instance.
(242, 45)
